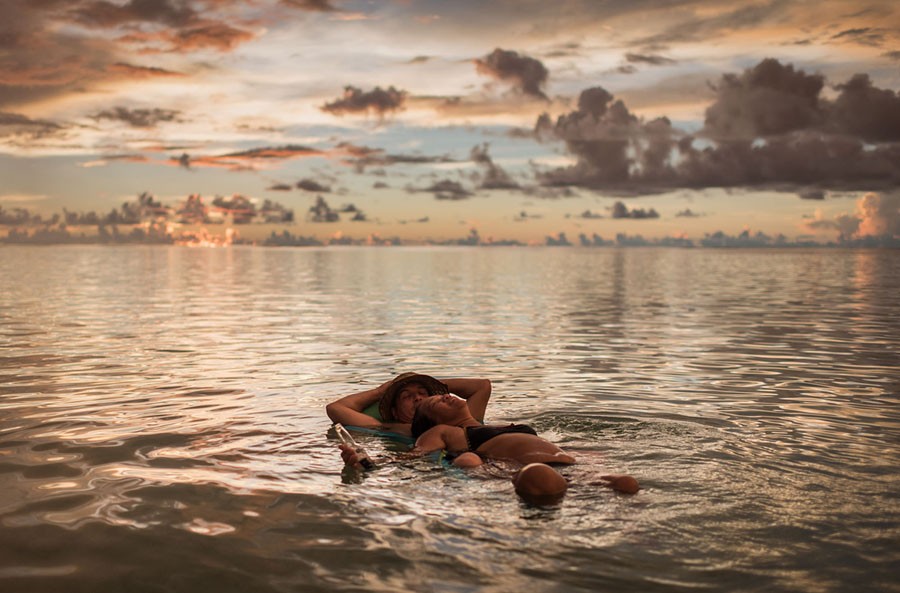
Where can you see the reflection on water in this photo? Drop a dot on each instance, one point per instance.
(162, 424)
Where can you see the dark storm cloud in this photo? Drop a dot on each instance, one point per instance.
(653, 60)
(620, 210)
(768, 128)
(526, 74)
(609, 142)
(313, 186)
(138, 118)
(494, 177)
(378, 100)
(865, 111)
(768, 99)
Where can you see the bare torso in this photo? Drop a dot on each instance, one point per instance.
(520, 447)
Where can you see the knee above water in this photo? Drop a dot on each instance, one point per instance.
(540, 484)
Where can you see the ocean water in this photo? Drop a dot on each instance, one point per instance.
(162, 422)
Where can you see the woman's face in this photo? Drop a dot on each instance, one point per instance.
(443, 409)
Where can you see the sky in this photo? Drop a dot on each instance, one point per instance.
(428, 119)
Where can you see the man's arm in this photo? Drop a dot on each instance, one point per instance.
(476, 392)
(349, 410)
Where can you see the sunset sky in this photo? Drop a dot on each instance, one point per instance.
(520, 119)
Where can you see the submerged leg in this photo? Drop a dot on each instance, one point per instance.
(621, 483)
(540, 484)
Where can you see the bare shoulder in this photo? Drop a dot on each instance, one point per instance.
(438, 437)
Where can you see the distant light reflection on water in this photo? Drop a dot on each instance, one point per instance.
(162, 425)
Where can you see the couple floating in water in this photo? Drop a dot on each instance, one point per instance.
(447, 415)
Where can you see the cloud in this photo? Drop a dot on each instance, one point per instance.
(358, 215)
(811, 194)
(494, 177)
(447, 189)
(768, 128)
(107, 14)
(138, 118)
(877, 216)
(364, 156)
(620, 210)
(653, 60)
(869, 36)
(768, 99)
(688, 213)
(280, 187)
(138, 72)
(355, 100)
(19, 127)
(526, 74)
(21, 198)
(699, 23)
(219, 36)
(523, 216)
(313, 186)
(867, 112)
(102, 162)
(311, 5)
(44, 52)
(174, 25)
(613, 146)
(322, 212)
(246, 159)
(588, 215)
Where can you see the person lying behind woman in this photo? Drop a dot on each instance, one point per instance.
(445, 423)
(398, 398)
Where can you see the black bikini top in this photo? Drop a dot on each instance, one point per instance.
(479, 435)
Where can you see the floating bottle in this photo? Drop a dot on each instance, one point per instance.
(345, 437)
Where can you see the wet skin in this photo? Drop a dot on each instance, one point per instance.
(453, 415)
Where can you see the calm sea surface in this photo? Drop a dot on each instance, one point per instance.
(162, 422)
